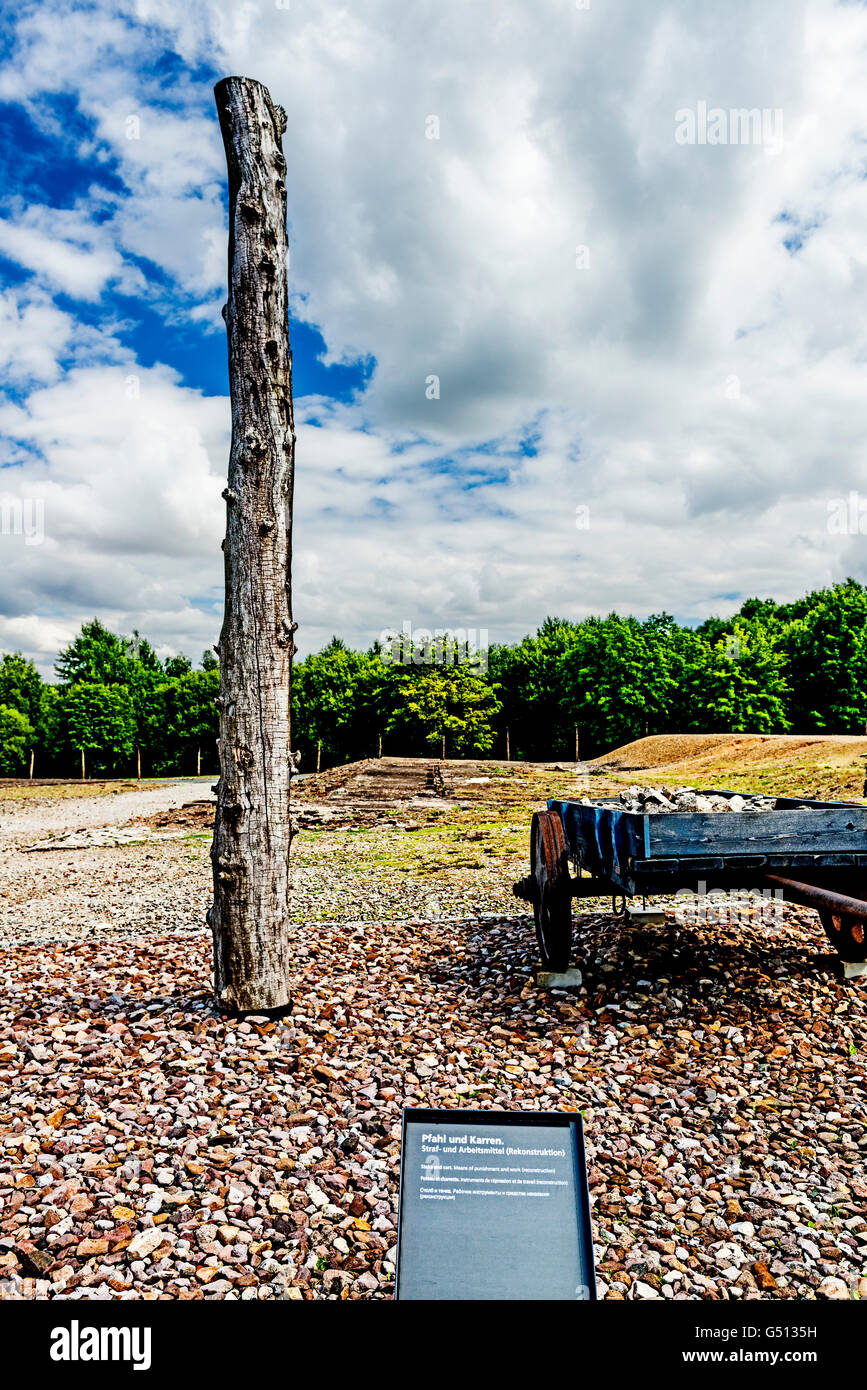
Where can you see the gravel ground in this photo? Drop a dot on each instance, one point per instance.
(151, 1149)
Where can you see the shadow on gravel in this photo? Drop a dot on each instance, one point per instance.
(741, 964)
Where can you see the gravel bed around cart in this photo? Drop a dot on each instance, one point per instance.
(151, 1149)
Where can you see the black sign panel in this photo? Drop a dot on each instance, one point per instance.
(493, 1205)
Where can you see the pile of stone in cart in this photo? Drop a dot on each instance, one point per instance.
(661, 799)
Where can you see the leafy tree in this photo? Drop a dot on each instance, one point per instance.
(538, 695)
(339, 700)
(825, 640)
(141, 655)
(454, 704)
(744, 682)
(95, 656)
(50, 729)
(158, 751)
(191, 719)
(20, 686)
(100, 720)
(17, 737)
(177, 666)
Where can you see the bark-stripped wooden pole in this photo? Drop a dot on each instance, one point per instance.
(252, 832)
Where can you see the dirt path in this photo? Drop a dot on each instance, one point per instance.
(50, 812)
(377, 783)
(408, 788)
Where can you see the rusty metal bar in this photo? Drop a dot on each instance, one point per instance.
(528, 890)
(822, 899)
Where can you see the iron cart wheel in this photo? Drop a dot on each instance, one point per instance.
(552, 907)
(846, 935)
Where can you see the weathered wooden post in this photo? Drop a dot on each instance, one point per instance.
(252, 832)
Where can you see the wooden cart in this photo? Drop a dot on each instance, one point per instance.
(815, 851)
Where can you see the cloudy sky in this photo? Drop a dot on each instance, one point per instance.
(647, 318)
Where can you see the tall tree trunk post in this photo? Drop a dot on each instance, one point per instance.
(138, 764)
(198, 760)
(508, 759)
(577, 745)
(83, 773)
(252, 831)
(318, 753)
(32, 761)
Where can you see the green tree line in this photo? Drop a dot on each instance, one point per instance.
(115, 708)
(769, 668)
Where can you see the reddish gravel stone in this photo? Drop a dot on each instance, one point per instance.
(151, 1149)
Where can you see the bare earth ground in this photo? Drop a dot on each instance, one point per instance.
(821, 765)
(151, 1149)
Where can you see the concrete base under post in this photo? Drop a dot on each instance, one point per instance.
(558, 979)
(645, 916)
(854, 969)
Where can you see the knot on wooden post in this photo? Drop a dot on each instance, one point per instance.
(253, 443)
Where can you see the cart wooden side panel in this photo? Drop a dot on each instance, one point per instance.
(831, 830)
